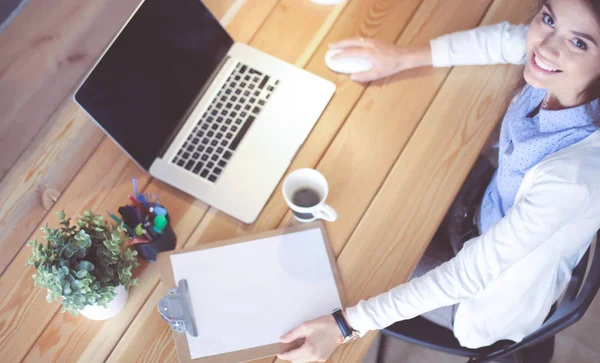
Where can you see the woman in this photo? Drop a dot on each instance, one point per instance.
(542, 207)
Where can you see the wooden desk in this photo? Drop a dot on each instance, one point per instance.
(394, 153)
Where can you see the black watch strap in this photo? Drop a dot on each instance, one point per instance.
(342, 323)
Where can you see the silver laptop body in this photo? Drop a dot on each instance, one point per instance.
(234, 141)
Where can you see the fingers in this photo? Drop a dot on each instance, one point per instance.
(362, 53)
(351, 42)
(364, 77)
(296, 333)
(354, 53)
(321, 338)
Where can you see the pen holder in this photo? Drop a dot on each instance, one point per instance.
(165, 242)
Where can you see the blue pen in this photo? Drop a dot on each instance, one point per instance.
(144, 202)
(135, 188)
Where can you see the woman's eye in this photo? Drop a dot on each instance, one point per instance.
(579, 43)
(548, 20)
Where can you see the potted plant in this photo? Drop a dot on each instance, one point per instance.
(87, 265)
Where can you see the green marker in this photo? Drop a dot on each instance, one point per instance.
(160, 223)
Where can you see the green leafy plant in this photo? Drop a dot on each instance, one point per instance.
(82, 264)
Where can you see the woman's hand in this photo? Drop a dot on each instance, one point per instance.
(386, 58)
(321, 337)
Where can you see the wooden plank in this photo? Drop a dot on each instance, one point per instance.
(64, 336)
(381, 124)
(152, 341)
(219, 8)
(20, 327)
(35, 77)
(425, 178)
(67, 140)
(143, 337)
(251, 16)
(45, 51)
(24, 311)
(392, 120)
(31, 188)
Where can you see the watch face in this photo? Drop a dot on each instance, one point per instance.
(351, 337)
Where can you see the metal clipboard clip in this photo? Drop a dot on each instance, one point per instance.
(176, 309)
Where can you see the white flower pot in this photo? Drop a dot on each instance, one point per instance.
(95, 312)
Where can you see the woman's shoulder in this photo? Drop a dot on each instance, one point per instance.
(578, 164)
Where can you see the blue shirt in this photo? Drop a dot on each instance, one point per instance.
(525, 141)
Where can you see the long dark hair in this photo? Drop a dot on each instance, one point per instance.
(596, 5)
(594, 90)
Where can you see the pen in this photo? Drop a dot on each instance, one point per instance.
(137, 240)
(120, 221)
(139, 215)
(136, 203)
(135, 188)
(147, 235)
(143, 200)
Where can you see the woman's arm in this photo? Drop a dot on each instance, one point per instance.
(386, 58)
(500, 43)
(493, 44)
(546, 207)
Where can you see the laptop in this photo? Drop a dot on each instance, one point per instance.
(214, 118)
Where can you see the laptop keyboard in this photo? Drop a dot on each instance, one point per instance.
(213, 141)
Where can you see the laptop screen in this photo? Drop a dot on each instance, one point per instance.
(148, 79)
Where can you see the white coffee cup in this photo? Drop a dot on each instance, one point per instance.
(305, 191)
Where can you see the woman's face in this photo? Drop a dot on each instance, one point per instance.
(563, 47)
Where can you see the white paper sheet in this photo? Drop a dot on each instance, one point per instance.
(249, 294)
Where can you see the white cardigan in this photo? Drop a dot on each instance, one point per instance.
(505, 280)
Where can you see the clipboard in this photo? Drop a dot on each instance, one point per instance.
(169, 284)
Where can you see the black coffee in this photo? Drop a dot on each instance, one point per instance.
(306, 198)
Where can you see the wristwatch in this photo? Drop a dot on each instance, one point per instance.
(348, 333)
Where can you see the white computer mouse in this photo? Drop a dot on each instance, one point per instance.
(346, 65)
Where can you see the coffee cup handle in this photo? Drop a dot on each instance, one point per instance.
(327, 213)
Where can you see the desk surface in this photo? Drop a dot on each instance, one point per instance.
(394, 153)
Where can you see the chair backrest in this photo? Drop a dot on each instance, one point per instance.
(576, 300)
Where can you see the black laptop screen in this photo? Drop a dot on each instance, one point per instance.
(152, 73)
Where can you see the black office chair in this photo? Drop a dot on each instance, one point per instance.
(537, 347)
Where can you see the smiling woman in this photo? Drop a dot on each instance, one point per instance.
(563, 53)
(538, 213)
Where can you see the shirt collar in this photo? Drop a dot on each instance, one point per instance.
(560, 120)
